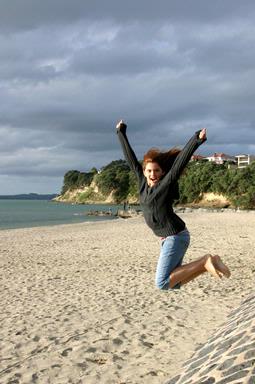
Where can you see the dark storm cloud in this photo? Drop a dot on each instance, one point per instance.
(70, 69)
(29, 14)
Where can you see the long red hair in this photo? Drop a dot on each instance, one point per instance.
(164, 159)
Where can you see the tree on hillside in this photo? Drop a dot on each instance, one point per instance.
(75, 179)
(114, 177)
(196, 180)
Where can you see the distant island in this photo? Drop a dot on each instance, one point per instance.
(28, 196)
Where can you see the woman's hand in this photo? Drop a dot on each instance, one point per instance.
(120, 123)
(121, 126)
(202, 134)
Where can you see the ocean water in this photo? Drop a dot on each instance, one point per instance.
(35, 213)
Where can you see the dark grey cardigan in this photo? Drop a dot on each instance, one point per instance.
(156, 202)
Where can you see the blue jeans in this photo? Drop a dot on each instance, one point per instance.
(173, 249)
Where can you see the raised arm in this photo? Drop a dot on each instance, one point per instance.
(184, 156)
(127, 150)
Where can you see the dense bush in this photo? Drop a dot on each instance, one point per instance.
(114, 178)
(75, 179)
(236, 184)
(198, 178)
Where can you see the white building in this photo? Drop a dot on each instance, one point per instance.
(221, 158)
(243, 160)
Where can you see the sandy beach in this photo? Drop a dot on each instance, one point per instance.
(79, 305)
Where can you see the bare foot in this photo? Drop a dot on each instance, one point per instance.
(209, 266)
(220, 266)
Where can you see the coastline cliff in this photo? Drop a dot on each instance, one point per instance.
(203, 184)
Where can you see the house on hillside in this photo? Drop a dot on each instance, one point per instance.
(221, 158)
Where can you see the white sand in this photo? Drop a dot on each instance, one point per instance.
(78, 302)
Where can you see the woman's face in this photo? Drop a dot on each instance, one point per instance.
(153, 173)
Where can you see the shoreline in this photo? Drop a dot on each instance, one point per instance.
(60, 224)
(109, 218)
(79, 302)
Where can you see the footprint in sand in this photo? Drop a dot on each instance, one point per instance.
(66, 351)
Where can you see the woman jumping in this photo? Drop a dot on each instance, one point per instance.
(158, 188)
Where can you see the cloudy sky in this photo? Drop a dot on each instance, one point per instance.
(70, 69)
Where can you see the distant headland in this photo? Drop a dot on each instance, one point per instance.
(28, 196)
